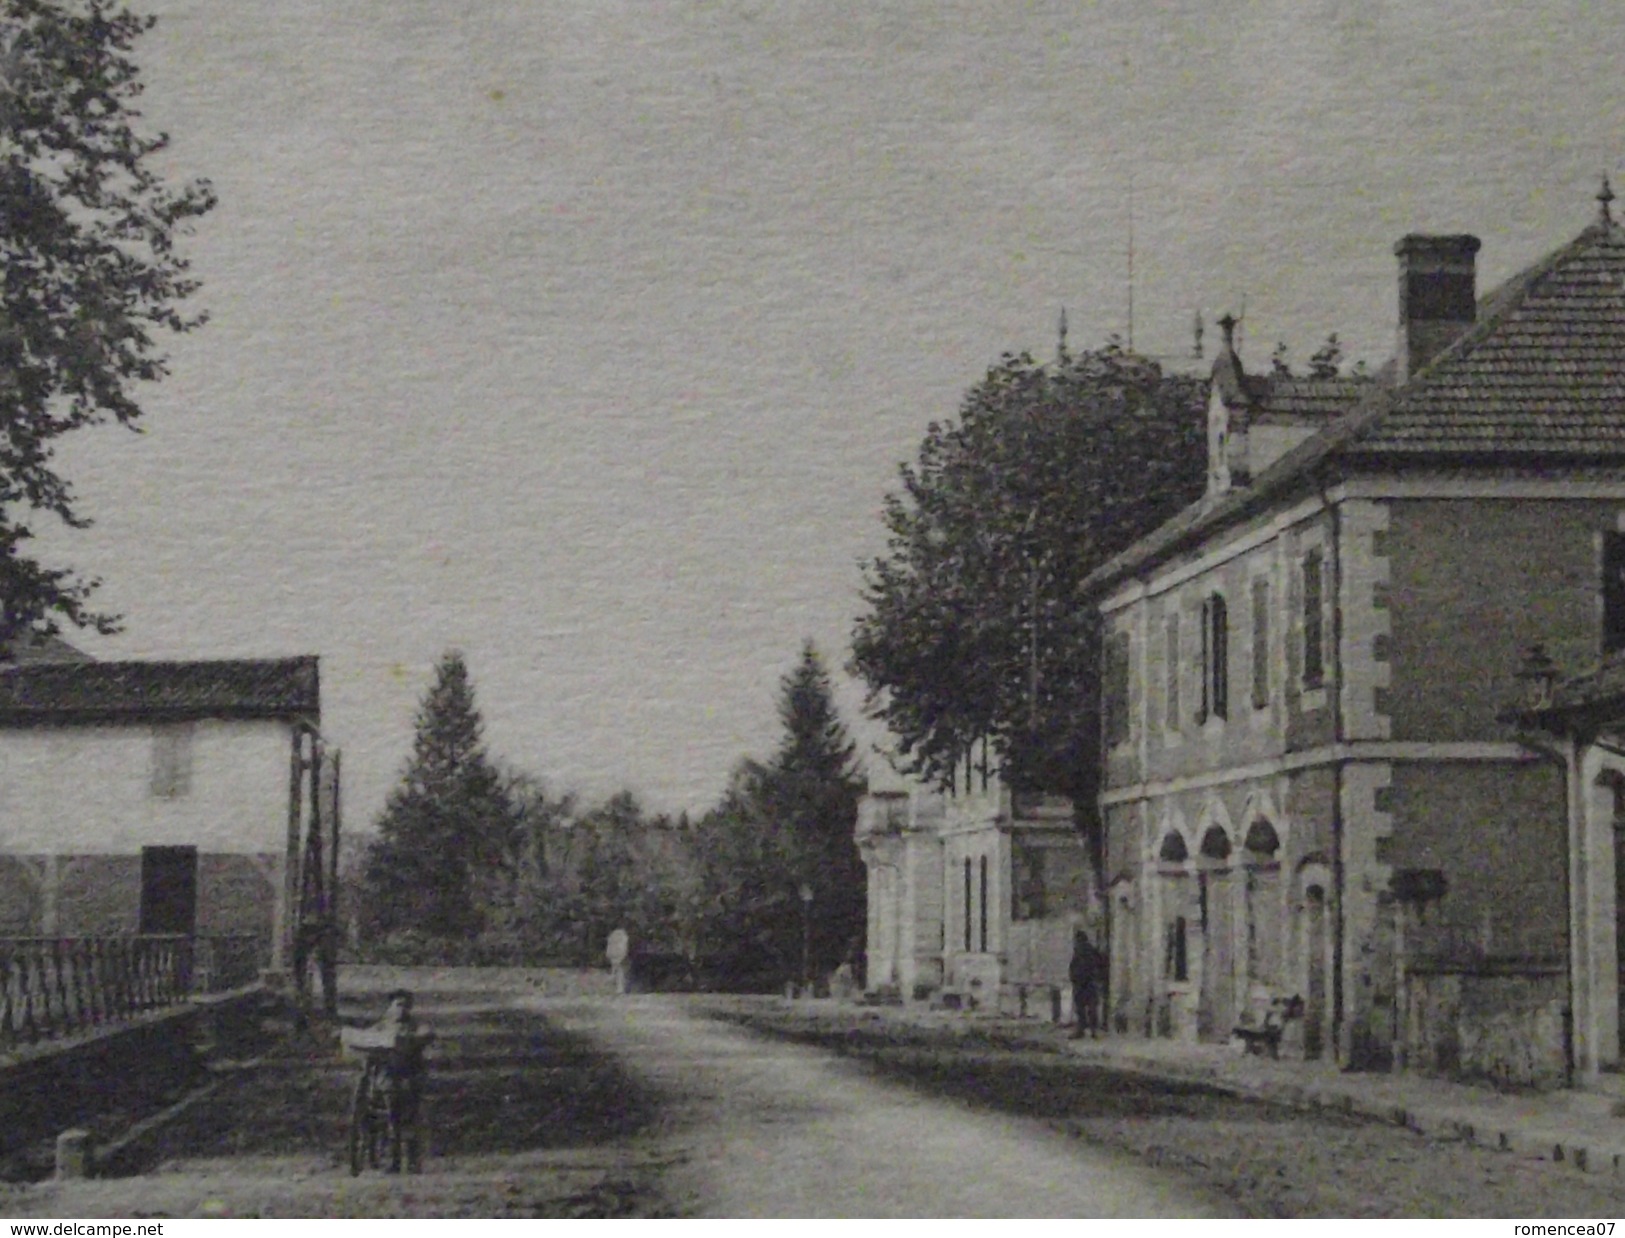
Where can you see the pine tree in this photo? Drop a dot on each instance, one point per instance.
(447, 826)
(808, 795)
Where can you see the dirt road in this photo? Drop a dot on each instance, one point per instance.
(570, 1105)
(604, 1107)
(764, 1128)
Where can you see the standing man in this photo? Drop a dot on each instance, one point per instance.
(1084, 973)
(616, 951)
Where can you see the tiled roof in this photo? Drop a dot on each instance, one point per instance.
(1298, 398)
(281, 688)
(32, 648)
(1541, 376)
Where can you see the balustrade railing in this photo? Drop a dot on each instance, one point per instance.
(53, 987)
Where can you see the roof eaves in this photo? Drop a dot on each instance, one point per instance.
(1209, 513)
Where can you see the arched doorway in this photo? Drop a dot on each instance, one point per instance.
(1261, 852)
(1315, 943)
(1216, 1010)
(1171, 1013)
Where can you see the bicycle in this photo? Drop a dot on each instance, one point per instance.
(386, 1105)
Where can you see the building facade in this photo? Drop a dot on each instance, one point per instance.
(974, 895)
(155, 797)
(1310, 787)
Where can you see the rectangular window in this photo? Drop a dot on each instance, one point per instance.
(1205, 632)
(1215, 659)
(1027, 882)
(1171, 670)
(1116, 688)
(1175, 964)
(1613, 592)
(1314, 650)
(1261, 643)
(171, 761)
(982, 904)
(967, 903)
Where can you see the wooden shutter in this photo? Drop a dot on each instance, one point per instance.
(1314, 650)
(1613, 592)
(1221, 657)
(1261, 643)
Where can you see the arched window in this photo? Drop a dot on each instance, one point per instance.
(1216, 844)
(1262, 842)
(1173, 849)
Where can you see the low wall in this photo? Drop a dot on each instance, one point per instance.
(104, 1080)
(366, 981)
(1504, 1028)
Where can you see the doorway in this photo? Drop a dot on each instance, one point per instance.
(168, 890)
(1314, 945)
(1619, 921)
(1216, 1010)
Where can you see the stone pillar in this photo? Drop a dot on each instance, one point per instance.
(72, 1155)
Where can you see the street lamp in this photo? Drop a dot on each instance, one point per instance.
(806, 893)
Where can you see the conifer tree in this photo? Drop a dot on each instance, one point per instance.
(446, 826)
(803, 804)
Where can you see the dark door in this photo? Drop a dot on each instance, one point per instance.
(169, 890)
(1314, 1006)
(1619, 919)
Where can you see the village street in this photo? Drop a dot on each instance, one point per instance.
(567, 1105)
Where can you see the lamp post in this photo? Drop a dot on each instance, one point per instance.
(806, 893)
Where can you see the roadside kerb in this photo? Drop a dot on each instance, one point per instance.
(1541, 1134)
(1582, 1150)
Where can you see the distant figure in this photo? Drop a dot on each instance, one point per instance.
(1085, 974)
(617, 951)
(843, 984)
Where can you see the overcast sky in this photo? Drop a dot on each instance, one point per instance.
(587, 336)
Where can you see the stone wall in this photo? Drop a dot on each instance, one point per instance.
(1504, 1029)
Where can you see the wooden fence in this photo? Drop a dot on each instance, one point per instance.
(54, 987)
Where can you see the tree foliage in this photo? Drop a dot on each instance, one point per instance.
(973, 630)
(92, 275)
(785, 824)
(449, 829)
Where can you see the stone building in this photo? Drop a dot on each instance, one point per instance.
(154, 797)
(973, 894)
(1309, 786)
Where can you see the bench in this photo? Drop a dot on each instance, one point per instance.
(1263, 1035)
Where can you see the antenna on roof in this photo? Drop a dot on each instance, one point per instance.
(1131, 259)
(1605, 199)
(1060, 347)
(1196, 351)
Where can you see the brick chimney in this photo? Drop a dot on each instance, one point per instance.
(1438, 297)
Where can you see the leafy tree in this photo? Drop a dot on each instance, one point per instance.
(92, 272)
(748, 923)
(973, 636)
(446, 826)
